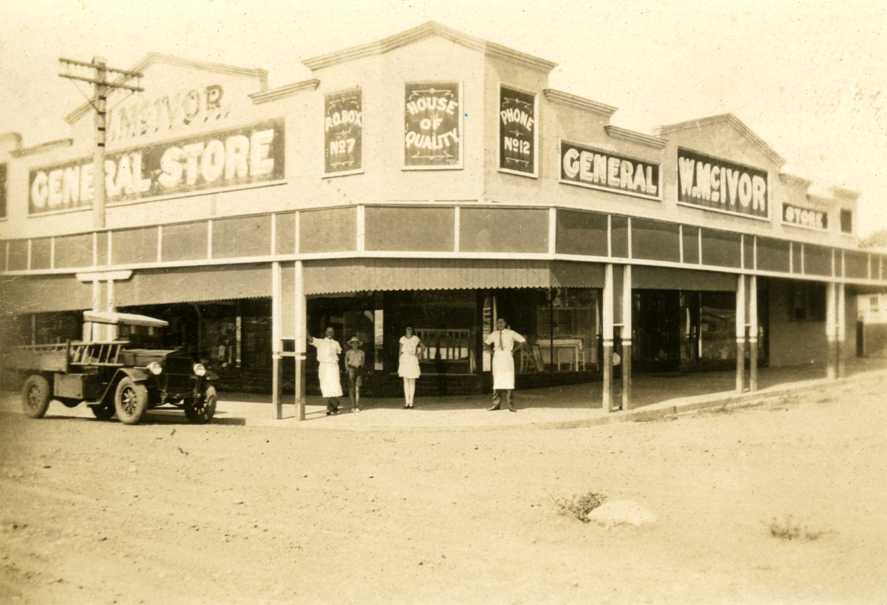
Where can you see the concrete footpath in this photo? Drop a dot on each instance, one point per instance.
(573, 406)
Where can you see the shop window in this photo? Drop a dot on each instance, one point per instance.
(873, 304)
(565, 334)
(846, 221)
(807, 302)
(56, 327)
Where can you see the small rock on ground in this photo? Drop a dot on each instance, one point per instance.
(622, 512)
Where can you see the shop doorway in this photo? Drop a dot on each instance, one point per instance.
(656, 338)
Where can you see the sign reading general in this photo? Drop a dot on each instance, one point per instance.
(343, 132)
(432, 125)
(810, 218)
(517, 132)
(229, 159)
(715, 184)
(598, 169)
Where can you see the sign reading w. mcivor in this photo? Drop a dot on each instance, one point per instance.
(192, 107)
(715, 184)
(219, 160)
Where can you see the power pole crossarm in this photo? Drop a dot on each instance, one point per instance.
(96, 73)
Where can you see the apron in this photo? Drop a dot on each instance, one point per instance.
(503, 370)
(330, 382)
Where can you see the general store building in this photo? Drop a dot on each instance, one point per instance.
(436, 180)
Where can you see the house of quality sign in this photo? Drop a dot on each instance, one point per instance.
(343, 131)
(804, 217)
(232, 158)
(432, 125)
(598, 169)
(716, 184)
(517, 132)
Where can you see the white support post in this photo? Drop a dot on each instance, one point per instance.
(841, 325)
(740, 333)
(626, 337)
(607, 378)
(301, 313)
(831, 304)
(552, 231)
(752, 333)
(276, 307)
(457, 221)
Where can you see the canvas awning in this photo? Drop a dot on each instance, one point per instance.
(381, 274)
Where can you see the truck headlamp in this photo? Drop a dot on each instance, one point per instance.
(199, 369)
(155, 368)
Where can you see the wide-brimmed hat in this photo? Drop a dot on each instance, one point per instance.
(355, 339)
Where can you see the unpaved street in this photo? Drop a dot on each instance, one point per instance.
(95, 512)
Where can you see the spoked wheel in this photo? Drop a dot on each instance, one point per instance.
(104, 411)
(201, 410)
(130, 400)
(35, 396)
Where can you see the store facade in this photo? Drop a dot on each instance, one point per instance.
(435, 180)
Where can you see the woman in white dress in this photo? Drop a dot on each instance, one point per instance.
(408, 364)
(328, 351)
(504, 341)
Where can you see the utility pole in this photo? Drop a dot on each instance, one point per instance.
(96, 73)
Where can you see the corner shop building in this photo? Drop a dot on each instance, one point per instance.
(429, 179)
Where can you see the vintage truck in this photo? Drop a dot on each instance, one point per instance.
(122, 376)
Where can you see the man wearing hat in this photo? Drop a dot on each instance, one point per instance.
(354, 361)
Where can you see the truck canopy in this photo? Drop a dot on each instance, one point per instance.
(130, 319)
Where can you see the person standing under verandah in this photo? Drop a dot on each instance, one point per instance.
(503, 341)
(354, 362)
(328, 351)
(408, 365)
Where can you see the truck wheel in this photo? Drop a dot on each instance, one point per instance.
(130, 400)
(103, 411)
(201, 411)
(35, 396)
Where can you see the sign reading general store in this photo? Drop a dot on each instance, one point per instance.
(343, 131)
(804, 217)
(599, 169)
(517, 131)
(715, 184)
(188, 107)
(432, 125)
(228, 159)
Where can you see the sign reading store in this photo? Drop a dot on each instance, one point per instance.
(810, 218)
(222, 160)
(715, 184)
(599, 169)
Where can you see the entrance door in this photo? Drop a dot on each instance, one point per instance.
(657, 337)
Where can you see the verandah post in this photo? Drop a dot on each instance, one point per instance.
(753, 333)
(740, 333)
(626, 337)
(276, 304)
(607, 365)
(830, 329)
(841, 324)
(301, 340)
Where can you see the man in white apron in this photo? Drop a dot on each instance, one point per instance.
(503, 342)
(328, 351)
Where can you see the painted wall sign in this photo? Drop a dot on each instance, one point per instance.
(715, 184)
(810, 218)
(432, 125)
(228, 159)
(2, 190)
(343, 131)
(598, 169)
(192, 106)
(517, 131)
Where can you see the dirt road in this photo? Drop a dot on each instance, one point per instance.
(95, 512)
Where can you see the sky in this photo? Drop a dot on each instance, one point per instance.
(808, 77)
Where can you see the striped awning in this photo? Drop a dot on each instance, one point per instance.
(368, 275)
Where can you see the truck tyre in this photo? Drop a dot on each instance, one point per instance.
(130, 400)
(35, 396)
(201, 411)
(102, 411)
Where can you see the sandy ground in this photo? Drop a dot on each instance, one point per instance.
(97, 512)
